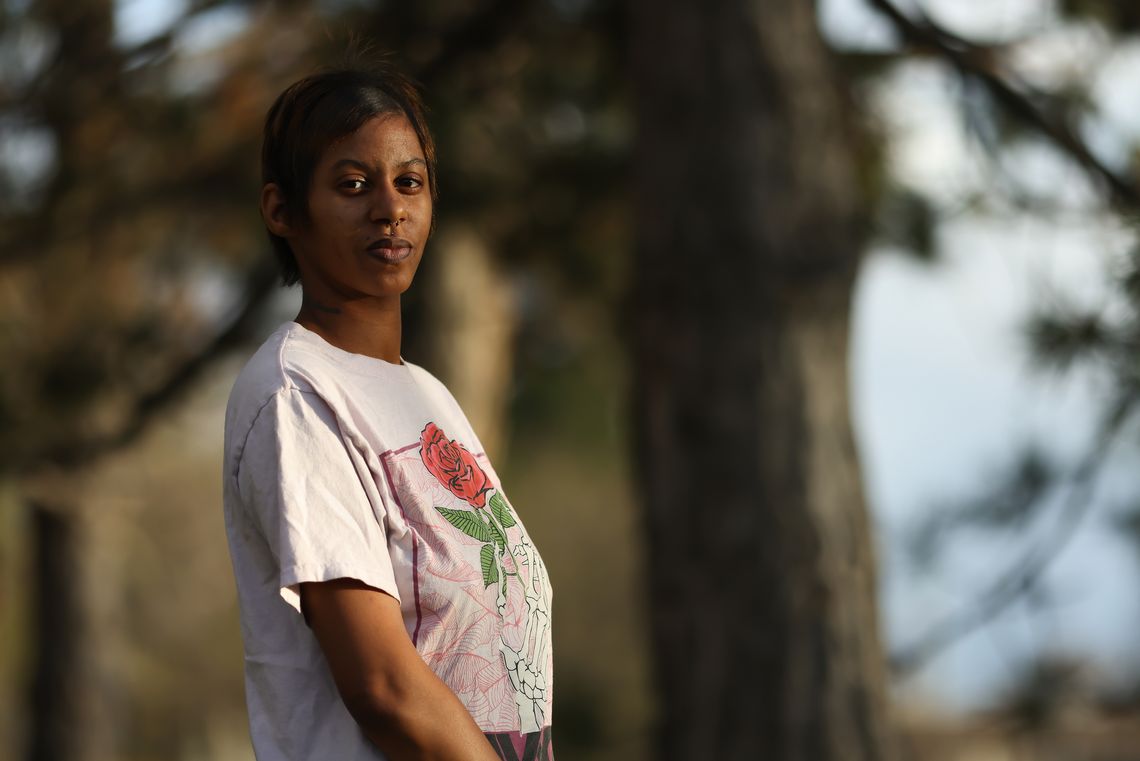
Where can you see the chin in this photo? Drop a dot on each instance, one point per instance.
(394, 287)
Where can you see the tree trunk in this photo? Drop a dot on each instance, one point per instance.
(58, 689)
(80, 78)
(748, 234)
(471, 330)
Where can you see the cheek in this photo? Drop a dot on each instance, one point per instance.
(337, 219)
(332, 216)
(420, 207)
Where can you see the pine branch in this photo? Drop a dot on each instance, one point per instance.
(1024, 575)
(260, 285)
(979, 62)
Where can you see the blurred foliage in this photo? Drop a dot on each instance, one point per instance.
(1060, 340)
(906, 221)
(1051, 685)
(1061, 336)
(1010, 504)
(1115, 14)
(1013, 91)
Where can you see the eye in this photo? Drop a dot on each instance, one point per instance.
(353, 184)
(409, 182)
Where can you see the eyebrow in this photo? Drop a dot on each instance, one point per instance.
(361, 165)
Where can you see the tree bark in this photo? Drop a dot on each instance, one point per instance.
(748, 233)
(80, 77)
(471, 330)
(58, 688)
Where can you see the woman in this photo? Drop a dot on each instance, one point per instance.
(392, 604)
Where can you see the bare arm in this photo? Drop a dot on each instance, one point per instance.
(399, 702)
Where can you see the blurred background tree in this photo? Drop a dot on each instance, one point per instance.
(135, 277)
(749, 221)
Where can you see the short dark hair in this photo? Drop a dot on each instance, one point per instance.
(315, 112)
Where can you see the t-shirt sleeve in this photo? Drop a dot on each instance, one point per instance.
(302, 486)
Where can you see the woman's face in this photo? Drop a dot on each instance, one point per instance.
(369, 214)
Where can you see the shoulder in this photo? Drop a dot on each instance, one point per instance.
(263, 376)
(285, 366)
(290, 359)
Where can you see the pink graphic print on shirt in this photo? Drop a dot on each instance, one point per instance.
(482, 594)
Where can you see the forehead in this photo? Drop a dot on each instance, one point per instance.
(387, 139)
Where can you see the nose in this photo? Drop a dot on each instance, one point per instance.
(388, 208)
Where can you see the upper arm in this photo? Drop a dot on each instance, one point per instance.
(361, 632)
(310, 495)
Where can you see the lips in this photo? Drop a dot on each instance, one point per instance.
(390, 249)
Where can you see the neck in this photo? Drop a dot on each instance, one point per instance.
(363, 326)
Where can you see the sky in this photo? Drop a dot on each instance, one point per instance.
(942, 391)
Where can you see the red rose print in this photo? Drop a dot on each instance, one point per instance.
(453, 466)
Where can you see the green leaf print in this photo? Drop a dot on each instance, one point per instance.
(496, 534)
(490, 568)
(465, 521)
(501, 510)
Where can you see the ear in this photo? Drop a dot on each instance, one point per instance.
(273, 211)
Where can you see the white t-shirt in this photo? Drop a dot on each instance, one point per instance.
(342, 465)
